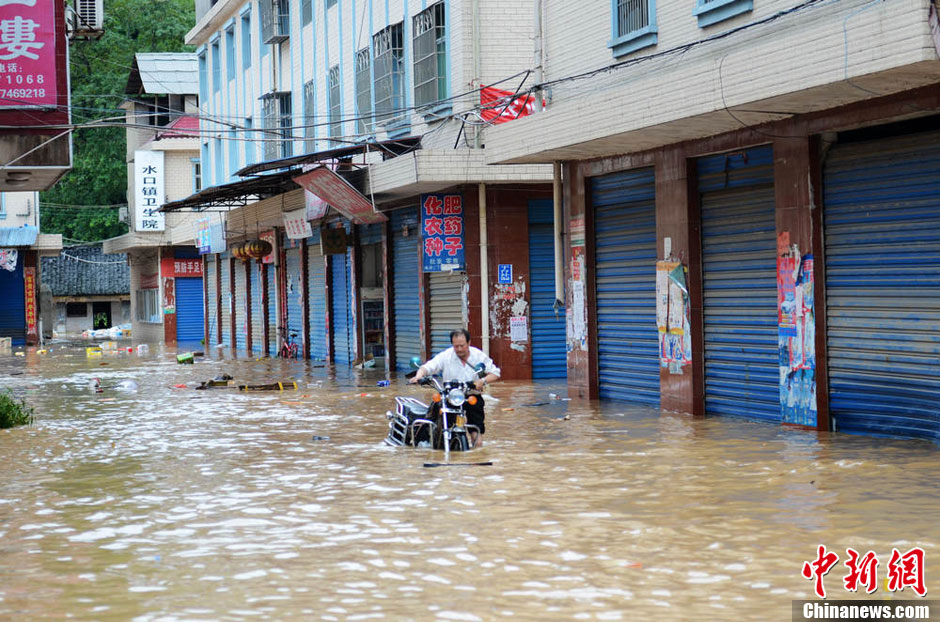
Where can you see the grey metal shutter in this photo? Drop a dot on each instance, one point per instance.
(13, 309)
(739, 265)
(225, 293)
(447, 305)
(406, 306)
(341, 319)
(241, 306)
(316, 271)
(190, 321)
(624, 207)
(212, 298)
(882, 244)
(549, 355)
(271, 301)
(295, 294)
(257, 308)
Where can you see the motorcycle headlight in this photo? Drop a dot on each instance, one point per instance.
(456, 397)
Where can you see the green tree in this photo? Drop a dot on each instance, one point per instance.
(99, 71)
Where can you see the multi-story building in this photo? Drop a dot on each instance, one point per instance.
(751, 205)
(163, 164)
(375, 109)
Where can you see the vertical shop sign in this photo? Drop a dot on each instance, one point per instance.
(27, 54)
(203, 235)
(148, 190)
(442, 232)
(29, 288)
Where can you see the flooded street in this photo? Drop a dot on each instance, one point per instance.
(169, 503)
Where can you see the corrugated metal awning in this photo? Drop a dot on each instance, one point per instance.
(237, 194)
(18, 236)
(388, 148)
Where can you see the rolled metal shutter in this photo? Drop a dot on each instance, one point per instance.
(257, 308)
(241, 306)
(549, 354)
(190, 321)
(212, 298)
(447, 306)
(225, 292)
(882, 244)
(316, 271)
(625, 283)
(295, 297)
(739, 265)
(343, 348)
(13, 309)
(405, 280)
(271, 301)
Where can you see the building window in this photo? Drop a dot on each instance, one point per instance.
(277, 125)
(633, 25)
(232, 153)
(230, 53)
(197, 174)
(206, 159)
(3, 206)
(250, 143)
(363, 92)
(216, 67)
(147, 308)
(310, 118)
(219, 160)
(275, 20)
(430, 53)
(203, 78)
(330, 3)
(76, 309)
(246, 41)
(336, 104)
(389, 73)
(711, 12)
(306, 11)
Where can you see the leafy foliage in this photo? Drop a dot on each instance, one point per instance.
(14, 412)
(99, 72)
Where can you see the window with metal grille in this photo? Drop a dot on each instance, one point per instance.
(147, 308)
(430, 53)
(275, 20)
(276, 108)
(309, 121)
(389, 70)
(336, 104)
(197, 174)
(633, 25)
(363, 92)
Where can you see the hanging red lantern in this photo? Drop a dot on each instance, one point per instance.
(258, 248)
(239, 251)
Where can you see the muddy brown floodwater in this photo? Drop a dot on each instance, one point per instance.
(164, 503)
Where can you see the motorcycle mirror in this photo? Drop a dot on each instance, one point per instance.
(415, 362)
(480, 369)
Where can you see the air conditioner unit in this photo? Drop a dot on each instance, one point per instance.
(90, 15)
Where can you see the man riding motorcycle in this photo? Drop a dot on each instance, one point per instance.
(459, 363)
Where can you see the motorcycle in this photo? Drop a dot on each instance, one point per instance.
(411, 425)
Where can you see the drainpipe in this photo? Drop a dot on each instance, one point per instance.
(477, 80)
(484, 273)
(539, 56)
(559, 243)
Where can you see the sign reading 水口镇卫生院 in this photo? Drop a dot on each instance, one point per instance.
(148, 191)
(27, 54)
(442, 232)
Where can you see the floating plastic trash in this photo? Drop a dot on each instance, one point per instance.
(143, 349)
(93, 351)
(186, 358)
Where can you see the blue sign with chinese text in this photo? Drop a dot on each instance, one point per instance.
(442, 232)
(505, 273)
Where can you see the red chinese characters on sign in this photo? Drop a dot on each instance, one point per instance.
(29, 287)
(442, 231)
(27, 53)
(903, 570)
(187, 267)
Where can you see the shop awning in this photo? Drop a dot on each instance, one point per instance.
(388, 148)
(237, 194)
(340, 195)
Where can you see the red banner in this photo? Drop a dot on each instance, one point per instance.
(187, 267)
(500, 106)
(27, 53)
(29, 286)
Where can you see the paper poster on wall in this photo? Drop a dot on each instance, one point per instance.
(519, 328)
(673, 316)
(797, 338)
(8, 259)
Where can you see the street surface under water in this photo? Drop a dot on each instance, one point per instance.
(174, 504)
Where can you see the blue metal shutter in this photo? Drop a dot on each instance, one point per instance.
(257, 308)
(241, 306)
(882, 244)
(341, 320)
(212, 299)
(446, 306)
(272, 308)
(549, 355)
(625, 283)
(13, 309)
(227, 301)
(316, 272)
(739, 265)
(189, 310)
(405, 281)
(295, 297)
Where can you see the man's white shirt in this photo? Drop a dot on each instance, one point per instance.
(449, 365)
